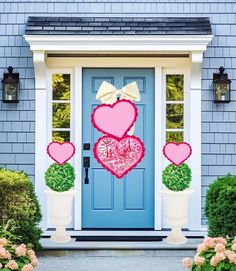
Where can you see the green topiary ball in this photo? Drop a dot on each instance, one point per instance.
(177, 178)
(60, 178)
(221, 207)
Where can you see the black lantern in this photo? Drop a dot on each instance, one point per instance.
(10, 83)
(221, 86)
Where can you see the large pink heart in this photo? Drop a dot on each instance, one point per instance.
(119, 156)
(115, 119)
(61, 152)
(177, 153)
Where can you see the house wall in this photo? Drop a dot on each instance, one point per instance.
(218, 121)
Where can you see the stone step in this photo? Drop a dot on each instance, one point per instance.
(118, 248)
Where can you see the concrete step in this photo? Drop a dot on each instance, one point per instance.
(117, 248)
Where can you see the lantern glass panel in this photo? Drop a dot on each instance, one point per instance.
(222, 91)
(10, 92)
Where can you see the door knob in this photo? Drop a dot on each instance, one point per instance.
(86, 166)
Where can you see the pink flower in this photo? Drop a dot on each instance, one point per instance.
(1, 266)
(27, 267)
(220, 256)
(231, 256)
(4, 254)
(33, 261)
(30, 252)
(187, 263)
(12, 265)
(220, 240)
(234, 241)
(234, 246)
(3, 242)
(207, 242)
(219, 248)
(21, 250)
(201, 248)
(214, 261)
(199, 260)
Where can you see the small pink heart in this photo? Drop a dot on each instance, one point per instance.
(61, 152)
(177, 153)
(115, 119)
(119, 156)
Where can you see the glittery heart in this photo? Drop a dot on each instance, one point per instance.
(61, 152)
(177, 153)
(119, 156)
(115, 119)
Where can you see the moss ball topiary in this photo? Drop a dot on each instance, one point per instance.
(60, 178)
(221, 207)
(177, 178)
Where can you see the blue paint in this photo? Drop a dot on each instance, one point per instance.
(109, 202)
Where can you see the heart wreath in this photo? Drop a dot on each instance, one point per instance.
(117, 151)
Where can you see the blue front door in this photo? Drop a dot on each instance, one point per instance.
(108, 202)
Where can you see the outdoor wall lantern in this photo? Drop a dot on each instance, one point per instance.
(221, 86)
(10, 83)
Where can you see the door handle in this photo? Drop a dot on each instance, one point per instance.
(86, 166)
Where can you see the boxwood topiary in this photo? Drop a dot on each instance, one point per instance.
(60, 178)
(19, 206)
(221, 207)
(177, 178)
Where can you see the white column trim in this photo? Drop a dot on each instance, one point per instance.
(158, 120)
(78, 144)
(195, 139)
(40, 130)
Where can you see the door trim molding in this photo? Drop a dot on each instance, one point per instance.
(108, 43)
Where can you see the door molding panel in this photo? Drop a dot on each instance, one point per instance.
(77, 65)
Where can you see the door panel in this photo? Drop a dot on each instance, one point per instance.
(109, 202)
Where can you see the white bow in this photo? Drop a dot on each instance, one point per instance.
(108, 93)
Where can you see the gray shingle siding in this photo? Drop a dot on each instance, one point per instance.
(218, 121)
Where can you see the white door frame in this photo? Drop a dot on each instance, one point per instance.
(194, 46)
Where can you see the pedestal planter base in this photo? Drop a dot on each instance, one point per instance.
(60, 235)
(176, 214)
(60, 207)
(176, 237)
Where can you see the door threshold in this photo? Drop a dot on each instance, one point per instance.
(161, 233)
(119, 238)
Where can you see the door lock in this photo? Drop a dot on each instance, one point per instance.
(86, 166)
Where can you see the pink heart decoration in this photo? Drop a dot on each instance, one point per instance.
(115, 119)
(119, 156)
(61, 152)
(177, 153)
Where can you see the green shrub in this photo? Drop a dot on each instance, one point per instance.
(177, 178)
(19, 206)
(60, 178)
(221, 207)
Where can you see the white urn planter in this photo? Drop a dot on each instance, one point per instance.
(176, 213)
(60, 213)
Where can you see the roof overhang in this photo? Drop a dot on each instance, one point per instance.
(124, 43)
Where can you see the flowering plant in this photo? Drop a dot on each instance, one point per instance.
(214, 254)
(16, 257)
